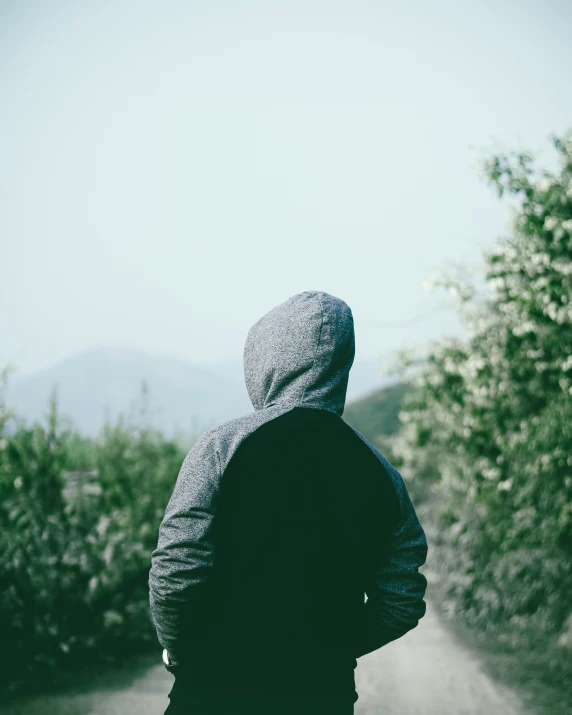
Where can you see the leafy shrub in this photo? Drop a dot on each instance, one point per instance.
(487, 424)
(79, 520)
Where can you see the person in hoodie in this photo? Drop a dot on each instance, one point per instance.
(290, 547)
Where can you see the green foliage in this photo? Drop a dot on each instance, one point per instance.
(487, 423)
(78, 521)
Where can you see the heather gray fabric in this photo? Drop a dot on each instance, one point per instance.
(298, 354)
(180, 564)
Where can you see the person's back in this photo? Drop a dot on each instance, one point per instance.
(280, 523)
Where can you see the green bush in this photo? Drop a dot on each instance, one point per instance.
(79, 520)
(487, 424)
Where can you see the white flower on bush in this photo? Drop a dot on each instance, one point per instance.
(496, 284)
(544, 183)
(525, 327)
(540, 258)
(93, 583)
(112, 618)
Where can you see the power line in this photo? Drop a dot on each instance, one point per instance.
(403, 323)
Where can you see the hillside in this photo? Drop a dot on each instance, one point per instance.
(376, 415)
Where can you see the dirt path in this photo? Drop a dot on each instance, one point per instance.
(426, 672)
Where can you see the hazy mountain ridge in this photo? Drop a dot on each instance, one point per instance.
(180, 396)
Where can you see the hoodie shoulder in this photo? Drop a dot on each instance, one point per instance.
(225, 438)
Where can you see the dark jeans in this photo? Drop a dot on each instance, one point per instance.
(183, 702)
(179, 708)
(249, 688)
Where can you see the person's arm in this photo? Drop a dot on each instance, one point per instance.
(182, 562)
(395, 597)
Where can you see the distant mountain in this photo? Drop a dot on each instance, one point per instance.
(101, 383)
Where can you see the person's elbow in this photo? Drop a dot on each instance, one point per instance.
(399, 611)
(393, 610)
(409, 606)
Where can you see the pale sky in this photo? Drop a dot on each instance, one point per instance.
(170, 171)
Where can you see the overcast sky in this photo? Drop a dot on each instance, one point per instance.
(171, 171)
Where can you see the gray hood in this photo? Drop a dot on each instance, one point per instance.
(300, 353)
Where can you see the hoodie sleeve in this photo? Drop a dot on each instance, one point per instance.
(395, 597)
(183, 560)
